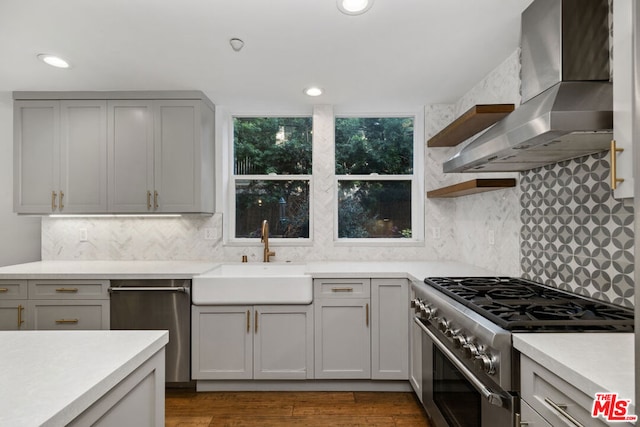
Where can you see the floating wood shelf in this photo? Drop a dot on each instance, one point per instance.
(476, 119)
(472, 187)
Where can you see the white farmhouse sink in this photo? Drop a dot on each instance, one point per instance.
(264, 283)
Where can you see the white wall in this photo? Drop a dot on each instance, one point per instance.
(19, 236)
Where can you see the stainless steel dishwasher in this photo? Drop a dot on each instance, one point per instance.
(157, 304)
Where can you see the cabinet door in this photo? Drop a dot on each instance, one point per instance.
(130, 156)
(342, 338)
(623, 94)
(13, 316)
(415, 365)
(177, 155)
(36, 131)
(222, 342)
(69, 315)
(83, 156)
(389, 329)
(283, 342)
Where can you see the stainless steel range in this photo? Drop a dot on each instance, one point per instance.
(470, 374)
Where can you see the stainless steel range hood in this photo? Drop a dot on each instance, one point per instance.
(567, 108)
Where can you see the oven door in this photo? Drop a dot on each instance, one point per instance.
(453, 396)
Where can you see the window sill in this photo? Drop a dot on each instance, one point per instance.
(398, 243)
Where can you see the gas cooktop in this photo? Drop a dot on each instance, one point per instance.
(521, 305)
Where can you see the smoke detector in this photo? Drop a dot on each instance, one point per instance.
(236, 44)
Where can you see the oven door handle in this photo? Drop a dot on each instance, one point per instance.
(492, 397)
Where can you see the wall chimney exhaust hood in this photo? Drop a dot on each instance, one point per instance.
(567, 108)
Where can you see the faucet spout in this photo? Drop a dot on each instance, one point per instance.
(265, 239)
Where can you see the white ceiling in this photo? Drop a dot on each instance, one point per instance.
(400, 55)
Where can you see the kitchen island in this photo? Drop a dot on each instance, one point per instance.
(60, 378)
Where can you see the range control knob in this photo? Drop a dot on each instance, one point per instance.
(428, 312)
(459, 340)
(443, 325)
(415, 304)
(485, 362)
(470, 350)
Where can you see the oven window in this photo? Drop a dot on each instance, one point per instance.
(456, 398)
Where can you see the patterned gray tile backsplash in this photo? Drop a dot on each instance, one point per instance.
(575, 235)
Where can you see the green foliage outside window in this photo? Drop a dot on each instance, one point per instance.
(266, 146)
(374, 208)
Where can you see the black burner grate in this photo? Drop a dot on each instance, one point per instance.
(521, 305)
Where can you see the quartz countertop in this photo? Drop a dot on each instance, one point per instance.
(67, 270)
(592, 362)
(51, 377)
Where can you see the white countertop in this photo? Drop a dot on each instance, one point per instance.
(592, 362)
(416, 270)
(51, 377)
(106, 269)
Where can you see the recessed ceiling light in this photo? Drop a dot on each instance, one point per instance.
(354, 7)
(313, 91)
(54, 61)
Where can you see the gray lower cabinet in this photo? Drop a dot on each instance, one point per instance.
(361, 329)
(54, 304)
(252, 342)
(415, 355)
(13, 304)
(548, 399)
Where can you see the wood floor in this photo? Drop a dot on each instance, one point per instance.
(186, 408)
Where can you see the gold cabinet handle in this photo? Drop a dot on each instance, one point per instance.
(61, 198)
(67, 321)
(248, 321)
(4, 289)
(562, 410)
(155, 200)
(53, 200)
(614, 172)
(256, 323)
(341, 289)
(367, 314)
(67, 290)
(20, 320)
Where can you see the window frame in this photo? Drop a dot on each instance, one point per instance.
(231, 238)
(417, 187)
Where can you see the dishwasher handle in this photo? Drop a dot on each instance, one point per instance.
(149, 289)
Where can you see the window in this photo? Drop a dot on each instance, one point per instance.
(271, 175)
(375, 176)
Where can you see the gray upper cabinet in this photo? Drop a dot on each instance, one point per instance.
(161, 156)
(130, 139)
(83, 157)
(60, 156)
(129, 152)
(623, 97)
(36, 131)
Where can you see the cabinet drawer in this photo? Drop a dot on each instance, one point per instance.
(531, 418)
(64, 315)
(541, 386)
(341, 288)
(13, 289)
(69, 289)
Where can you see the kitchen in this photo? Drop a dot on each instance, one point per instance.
(454, 229)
